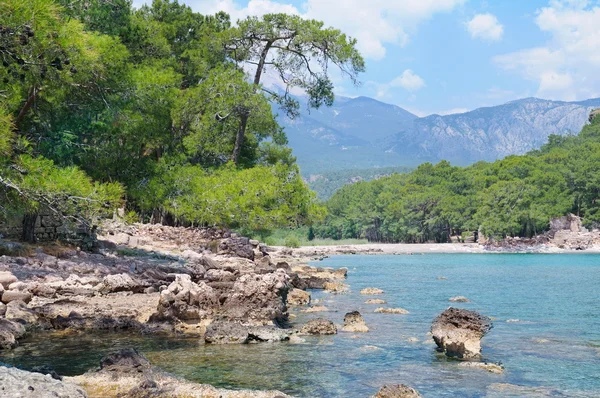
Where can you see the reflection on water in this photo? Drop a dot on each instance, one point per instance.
(554, 347)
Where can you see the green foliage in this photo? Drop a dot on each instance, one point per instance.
(516, 196)
(292, 241)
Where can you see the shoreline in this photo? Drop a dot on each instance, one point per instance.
(431, 248)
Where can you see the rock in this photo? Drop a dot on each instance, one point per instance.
(20, 383)
(354, 322)
(17, 310)
(237, 246)
(120, 283)
(458, 332)
(401, 311)
(2, 309)
(375, 301)
(257, 299)
(124, 361)
(12, 249)
(335, 287)
(234, 333)
(219, 275)
(397, 391)
(18, 286)
(46, 370)
(10, 332)
(318, 326)
(369, 291)
(6, 278)
(496, 368)
(297, 297)
(316, 308)
(10, 295)
(186, 300)
(459, 299)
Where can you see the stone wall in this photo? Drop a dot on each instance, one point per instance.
(48, 227)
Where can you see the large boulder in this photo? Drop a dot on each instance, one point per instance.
(187, 300)
(397, 391)
(20, 383)
(6, 278)
(235, 333)
(318, 326)
(257, 299)
(17, 310)
(354, 322)
(14, 295)
(458, 332)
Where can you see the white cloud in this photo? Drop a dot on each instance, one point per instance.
(566, 68)
(486, 27)
(409, 81)
(374, 23)
(453, 111)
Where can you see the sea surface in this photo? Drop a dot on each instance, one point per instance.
(545, 309)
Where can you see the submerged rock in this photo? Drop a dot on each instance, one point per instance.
(319, 326)
(375, 301)
(316, 308)
(222, 332)
(370, 291)
(488, 366)
(126, 360)
(335, 287)
(459, 299)
(354, 322)
(298, 297)
(20, 383)
(383, 310)
(458, 332)
(397, 391)
(10, 332)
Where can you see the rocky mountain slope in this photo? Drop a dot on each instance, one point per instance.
(364, 133)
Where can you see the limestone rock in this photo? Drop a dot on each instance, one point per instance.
(397, 391)
(238, 246)
(319, 326)
(186, 300)
(383, 310)
(257, 299)
(10, 332)
(20, 383)
(370, 291)
(354, 322)
(121, 283)
(458, 332)
(6, 278)
(335, 287)
(17, 310)
(298, 297)
(316, 308)
(12, 295)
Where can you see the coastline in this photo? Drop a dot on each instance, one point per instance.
(428, 248)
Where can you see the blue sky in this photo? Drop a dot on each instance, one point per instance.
(445, 56)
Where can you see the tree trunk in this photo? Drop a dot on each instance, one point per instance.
(29, 221)
(239, 139)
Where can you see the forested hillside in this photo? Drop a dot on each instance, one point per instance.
(515, 196)
(161, 107)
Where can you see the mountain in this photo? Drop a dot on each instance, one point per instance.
(360, 133)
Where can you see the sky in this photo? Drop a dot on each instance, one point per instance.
(451, 56)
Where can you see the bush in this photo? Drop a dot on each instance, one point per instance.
(292, 241)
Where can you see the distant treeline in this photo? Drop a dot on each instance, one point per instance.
(515, 196)
(326, 184)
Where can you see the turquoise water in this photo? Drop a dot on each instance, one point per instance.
(554, 345)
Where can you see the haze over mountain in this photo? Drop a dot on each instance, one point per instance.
(362, 132)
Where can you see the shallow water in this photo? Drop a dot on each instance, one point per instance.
(555, 344)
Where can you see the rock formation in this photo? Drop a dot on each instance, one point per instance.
(369, 291)
(458, 332)
(397, 391)
(354, 322)
(319, 326)
(20, 383)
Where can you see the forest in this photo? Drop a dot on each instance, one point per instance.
(515, 196)
(160, 109)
